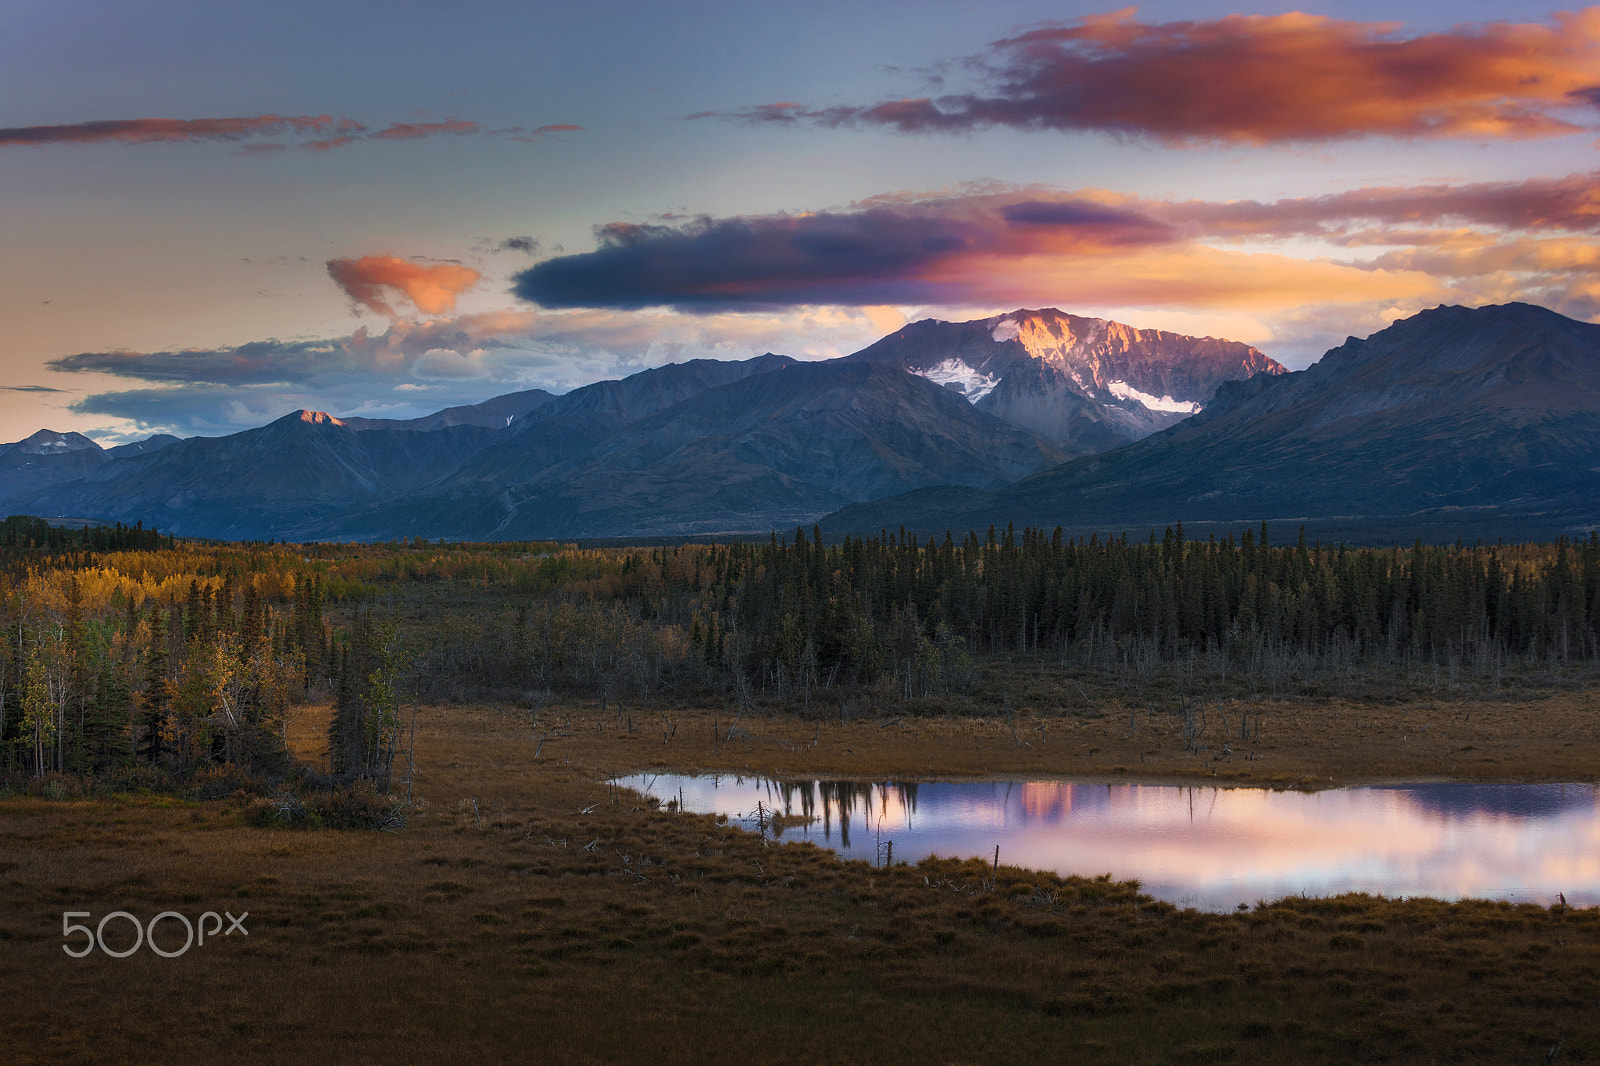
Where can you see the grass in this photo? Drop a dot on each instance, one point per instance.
(528, 912)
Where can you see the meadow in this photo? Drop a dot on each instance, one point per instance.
(521, 908)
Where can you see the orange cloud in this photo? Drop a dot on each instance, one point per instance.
(1259, 80)
(432, 289)
(1570, 203)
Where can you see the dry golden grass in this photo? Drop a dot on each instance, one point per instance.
(1287, 743)
(528, 913)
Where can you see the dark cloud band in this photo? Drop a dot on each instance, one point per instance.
(961, 249)
(886, 254)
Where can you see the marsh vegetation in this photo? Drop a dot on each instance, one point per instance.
(526, 903)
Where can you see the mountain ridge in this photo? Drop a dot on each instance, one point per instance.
(1493, 409)
(1085, 384)
(1468, 415)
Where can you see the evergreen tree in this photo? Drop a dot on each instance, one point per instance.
(155, 695)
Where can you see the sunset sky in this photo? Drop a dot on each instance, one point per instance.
(216, 213)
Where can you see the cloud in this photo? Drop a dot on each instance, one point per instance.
(370, 280)
(29, 388)
(1562, 273)
(881, 253)
(414, 131)
(1250, 79)
(438, 363)
(1007, 247)
(526, 245)
(985, 248)
(169, 130)
(533, 136)
(257, 363)
(1570, 203)
(415, 367)
(318, 133)
(328, 144)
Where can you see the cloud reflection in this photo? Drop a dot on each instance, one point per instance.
(1208, 847)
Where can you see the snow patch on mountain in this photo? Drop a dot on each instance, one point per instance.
(957, 375)
(1007, 329)
(1123, 391)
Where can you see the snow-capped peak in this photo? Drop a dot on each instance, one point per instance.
(1006, 329)
(958, 376)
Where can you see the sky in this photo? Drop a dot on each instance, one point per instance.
(213, 214)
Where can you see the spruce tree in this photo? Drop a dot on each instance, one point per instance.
(153, 717)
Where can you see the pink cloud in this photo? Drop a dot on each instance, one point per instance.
(326, 132)
(372, 280)
(412, 131)
(169, 130)
(1260, 80)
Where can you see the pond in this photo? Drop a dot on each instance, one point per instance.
(1204, 847)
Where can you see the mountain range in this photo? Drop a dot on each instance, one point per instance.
(1455, 415)
(1452, 422)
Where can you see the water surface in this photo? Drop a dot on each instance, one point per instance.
(1211, 848)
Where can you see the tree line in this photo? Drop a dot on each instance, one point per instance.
(137, 651)
(796, 611)
(794, 614)
(110, 665)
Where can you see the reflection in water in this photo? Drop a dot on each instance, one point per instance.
(1212, 848)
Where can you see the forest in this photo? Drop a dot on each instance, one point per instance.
(131, 656)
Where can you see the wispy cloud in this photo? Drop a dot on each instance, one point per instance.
(316, 133)
(415, 131)
(29, 388)
(374, 281)
(171, 130)
(1570, 203)
(1248, 79)
(538, 133)
(415, 367)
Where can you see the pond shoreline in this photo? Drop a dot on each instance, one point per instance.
(1173, 780)
(1192, 845)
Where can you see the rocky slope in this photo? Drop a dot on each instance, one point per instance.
(494, 413)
